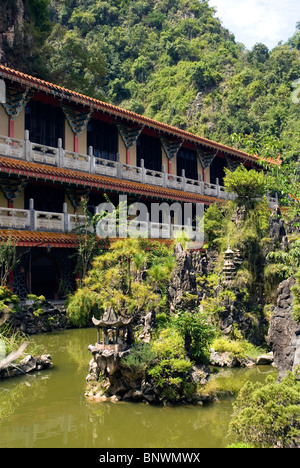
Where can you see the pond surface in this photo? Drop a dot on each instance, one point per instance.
(48, 409)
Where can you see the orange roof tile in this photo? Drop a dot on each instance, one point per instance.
(53, 239)
(101, 106)
(34, 238)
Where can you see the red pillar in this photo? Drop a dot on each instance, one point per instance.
(128, 156)
(169, 166)
(11, 129)
(75, 143)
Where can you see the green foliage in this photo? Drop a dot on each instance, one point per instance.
(268, 415)
(140, 357)
(196, 331)
(281, 264)
(37, 303)
(169, 344)
(236, 348)
(172, 61)
(214, 221)
(171, 370)
(115, 280)
(8, 300)
(82, 305)
(248, 185)
(296, 297)
(8, 258)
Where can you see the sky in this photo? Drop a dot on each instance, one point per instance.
(252, 21)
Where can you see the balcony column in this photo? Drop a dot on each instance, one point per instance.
(66, 217)
(31, 214)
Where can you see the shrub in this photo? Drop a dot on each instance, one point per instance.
(82, 305)
(140, 357)
(247, 185)
(268, 415)
(296, 298)
(196, 331)
(8, 300)
(237, 348)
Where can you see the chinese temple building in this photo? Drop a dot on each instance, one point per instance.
(57, 145)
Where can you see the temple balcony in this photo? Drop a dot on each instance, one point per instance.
(25, 150)
(42, 221)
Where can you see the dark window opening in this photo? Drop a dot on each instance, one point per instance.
(46, 198)
(103, 137)
(217, 170)
(44, 277)
(46, 123)
(149, 149)
(187, 160)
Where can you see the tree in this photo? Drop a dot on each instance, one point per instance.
(268, 415)
(115, 281)
(247, 185)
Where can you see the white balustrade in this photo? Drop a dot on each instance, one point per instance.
(105, 167)
(174, 182)
(12, 147)
(29, 151)
(195, 186)
(132, 172)
(44, 154)
(154, 177)
(75, 220)
(77, 161)
(12, 218)
(47, 221)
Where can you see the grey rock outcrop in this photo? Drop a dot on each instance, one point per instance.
(189, 264)
(53, 317)
(27, 365)
(284, 332)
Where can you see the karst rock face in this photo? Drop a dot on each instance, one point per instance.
(284, 331)
(189, 264)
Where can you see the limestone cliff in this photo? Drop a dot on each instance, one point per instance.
(284, 331)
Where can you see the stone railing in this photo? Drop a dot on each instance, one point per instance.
(33, 220)
(28, 151)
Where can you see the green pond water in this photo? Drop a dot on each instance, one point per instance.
(49, 410)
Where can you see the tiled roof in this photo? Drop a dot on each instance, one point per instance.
(53, 239)
(34, 238)
(55, 174)
(118, 112)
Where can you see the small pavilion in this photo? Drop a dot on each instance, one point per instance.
(116, 331)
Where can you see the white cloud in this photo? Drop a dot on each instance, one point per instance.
(252, 21)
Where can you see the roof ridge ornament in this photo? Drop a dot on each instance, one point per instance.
(171, 147)
(16, 100)
(78, 120)
(206, 156)
(129, 135)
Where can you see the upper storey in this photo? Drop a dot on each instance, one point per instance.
(44, 123)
